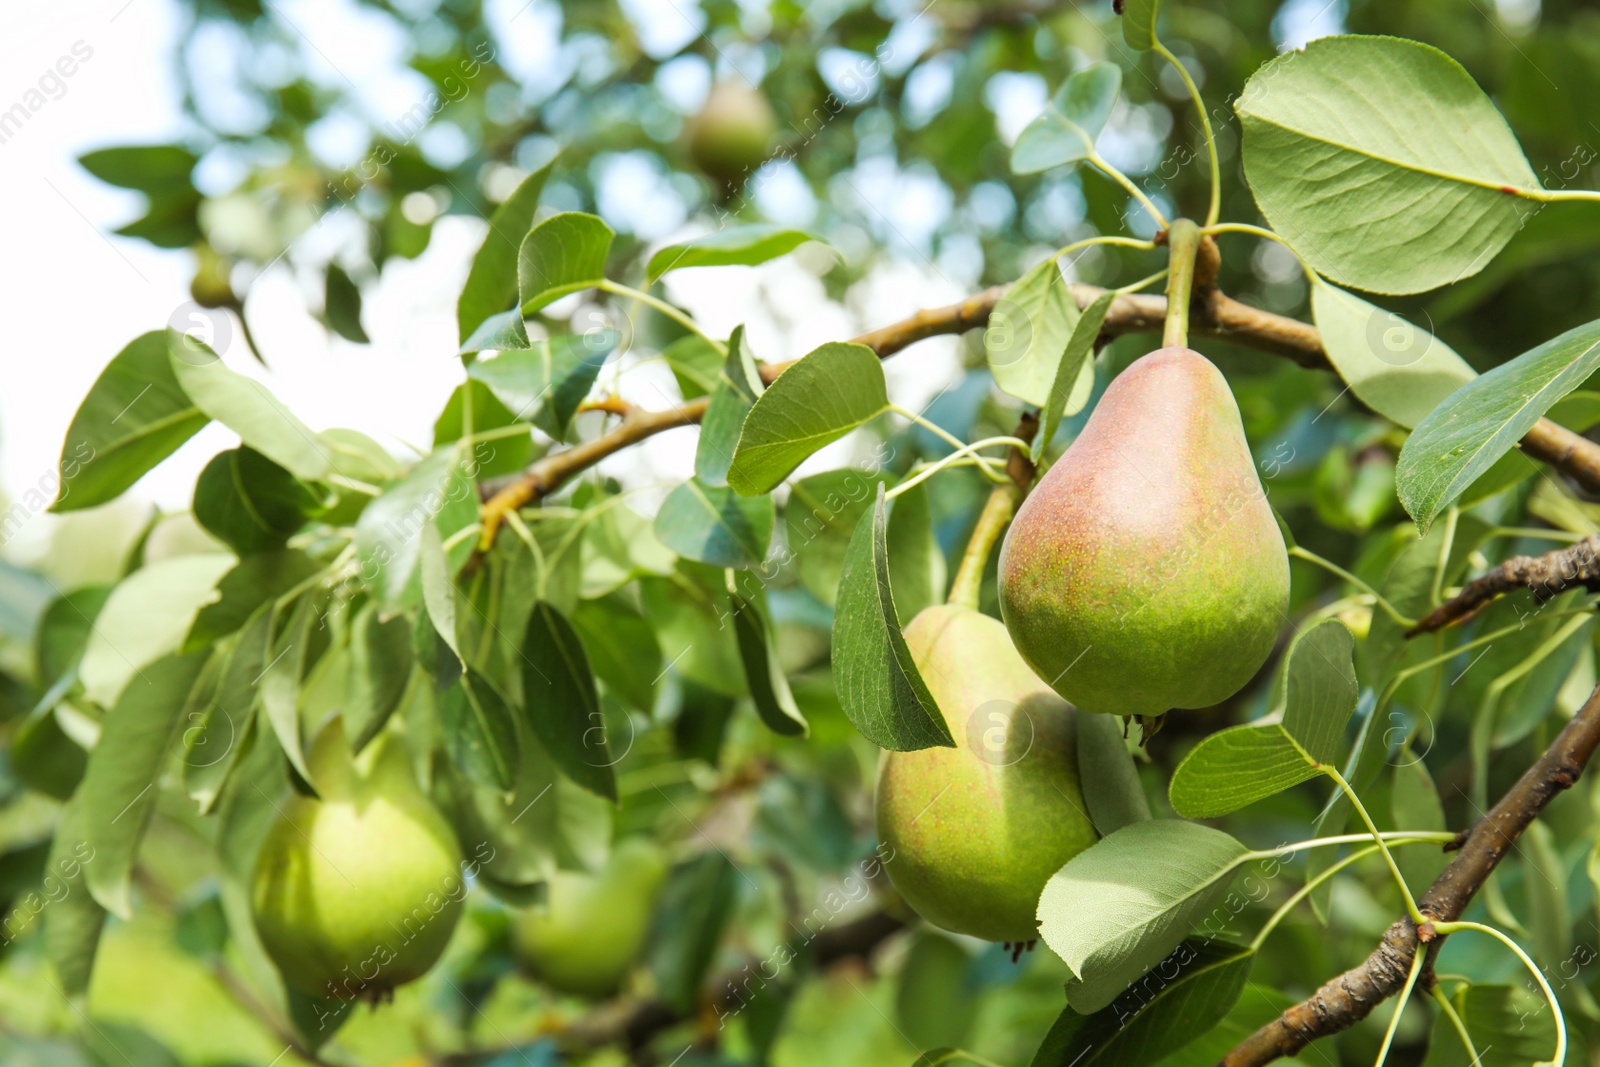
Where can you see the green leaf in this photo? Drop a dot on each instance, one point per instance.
(1111, 788)
(823, 396)
(251, 503)
(769, 687)
(1397, 191)
(503, 455)
(216, 738)
(916, 562)
(1258, 1006)
(1396, 369)
(389, 532)
(491, 284)
(280, 682)
(341, 305)
(438, 591)
(1194, 989)
(72, 924)
(1079, 355)
(1322, 690)
(1139, 23)
(715, 525)
(505, 332)
(1110, 928)
(561, 704)
(1549, 910)
(545, 382)
(819, 517)
(147, 616)
(157, 168)
(1511, 1026)
(245, 406)
(689, 610)
(736, 246)
(119, 788)
(934, 1007)
(700, 899)
(1066, 130)
(565, 253)
(622, 648)
(1483, 420)
(879, 686)
(1243, 764)
(478, 731)
(135, 416)
(381, 659)
(732, 396)
(696, 365)
(64, 629)
(1028, 332)
(251, 583)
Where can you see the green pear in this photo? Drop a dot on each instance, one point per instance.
(1146, 571)
(975, 831)
(357, 892)
(732, 134)
(593, 926)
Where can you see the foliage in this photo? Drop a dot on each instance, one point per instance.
(571, 658)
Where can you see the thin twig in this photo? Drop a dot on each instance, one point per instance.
(1349, 998)
(1548, 576)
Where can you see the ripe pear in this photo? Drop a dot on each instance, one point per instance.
(732, 134)
(358, 892)
(1146, 571)
(593, 927)
(976, 830)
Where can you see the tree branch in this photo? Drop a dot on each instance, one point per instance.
(1548, 576)
(1349, 998)
(1214, 314)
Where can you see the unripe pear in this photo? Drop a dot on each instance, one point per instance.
(976, 830)
(357, 892)
(732, 134)
(593, 927)
(1146, 571)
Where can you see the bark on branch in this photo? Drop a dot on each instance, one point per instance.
(1548, 576)
(1349, 998)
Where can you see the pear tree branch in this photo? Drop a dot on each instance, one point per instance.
(1347, 999)
(1212, 314)
(1548, 576)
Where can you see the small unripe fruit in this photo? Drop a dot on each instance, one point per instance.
(976, 830)
(732, 134)
(593, 927)
(358, 892)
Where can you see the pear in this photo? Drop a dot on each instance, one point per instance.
(975, 831)
(1146, 571)
(357, 892)
(732, 134)
(593, 927)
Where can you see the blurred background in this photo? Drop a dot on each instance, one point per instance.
(309, 179)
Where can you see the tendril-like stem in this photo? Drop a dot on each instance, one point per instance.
(1454, 1016)
(1560, 1055)
(1378, 836)
(1127, 183)
(1400, 1006)
(1333, 568)
(1215, 210)
(959, 454)
(618, 289)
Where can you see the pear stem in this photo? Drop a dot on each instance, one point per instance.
(1183, 241)
(1003, 500)
(992, 520)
